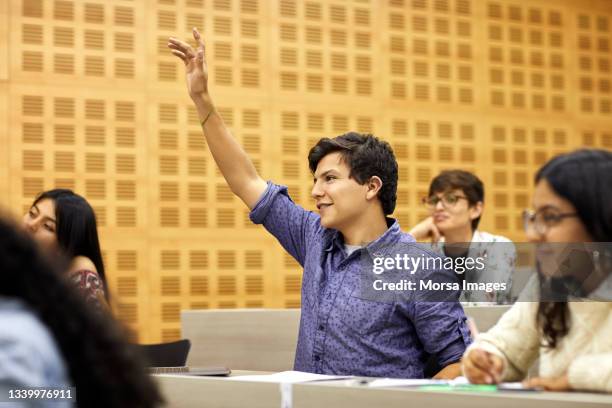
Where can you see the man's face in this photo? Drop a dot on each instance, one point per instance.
(339, 199)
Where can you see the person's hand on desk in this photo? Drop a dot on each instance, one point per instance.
(481, 367)
(549, 384)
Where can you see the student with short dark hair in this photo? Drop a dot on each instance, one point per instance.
(355, 180)
(64, 223)
(571, 334)
(456, 202)
(49, 338)
(366, 156)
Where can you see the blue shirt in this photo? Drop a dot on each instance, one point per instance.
(340, 331)
(29, 356)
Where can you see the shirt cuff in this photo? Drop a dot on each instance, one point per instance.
(453, 352)
(260, 211)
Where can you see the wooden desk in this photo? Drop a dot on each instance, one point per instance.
(332, 394)
(182, 391)
(185, 391)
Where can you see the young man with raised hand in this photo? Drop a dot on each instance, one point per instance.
(355, 182)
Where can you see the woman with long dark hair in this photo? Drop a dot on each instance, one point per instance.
(50, 339)
(570, 326)
(64, 222)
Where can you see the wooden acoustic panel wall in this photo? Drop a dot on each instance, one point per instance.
(93, 101)
(4, 100)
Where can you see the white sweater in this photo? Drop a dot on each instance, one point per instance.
(585, 353)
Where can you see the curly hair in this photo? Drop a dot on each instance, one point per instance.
(104, 369)
(582, 177)
(366, 156)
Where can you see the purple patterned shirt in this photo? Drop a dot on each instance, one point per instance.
(341, 333)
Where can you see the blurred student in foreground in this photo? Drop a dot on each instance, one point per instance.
(64, 223)
(571, 336)
(455, 203)
(49, 338)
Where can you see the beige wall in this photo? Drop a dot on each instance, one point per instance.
(93, 101)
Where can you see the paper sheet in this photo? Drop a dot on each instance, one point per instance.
(400, 382)
(290, 377)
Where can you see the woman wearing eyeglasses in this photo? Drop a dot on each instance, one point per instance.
(455, 204)
(571, 335)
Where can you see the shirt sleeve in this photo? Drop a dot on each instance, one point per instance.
(591, 372)
(29, 356)
(442, 329)
(500, 267)
(292, 225)
(91, 286)
(517, 338)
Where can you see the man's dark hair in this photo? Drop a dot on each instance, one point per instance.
(366, 156)
(462, 180)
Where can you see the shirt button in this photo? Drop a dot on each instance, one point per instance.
(317, 358)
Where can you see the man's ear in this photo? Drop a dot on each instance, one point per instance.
(476, 210)
(374, 185)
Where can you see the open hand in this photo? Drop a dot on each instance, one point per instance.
(195, 64)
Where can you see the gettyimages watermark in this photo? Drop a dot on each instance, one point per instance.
(499, 272)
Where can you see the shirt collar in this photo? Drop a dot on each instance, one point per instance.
(382, 246)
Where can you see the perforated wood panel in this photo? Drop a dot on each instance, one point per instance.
(96, 103)
(4, 103)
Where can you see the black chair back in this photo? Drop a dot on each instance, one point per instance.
(172, 354)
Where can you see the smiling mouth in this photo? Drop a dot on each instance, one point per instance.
(322, 206)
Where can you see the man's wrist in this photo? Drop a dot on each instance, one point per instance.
(204, 105)
(203, 102)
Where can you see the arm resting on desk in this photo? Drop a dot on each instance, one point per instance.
(515, 338)
(591, 372)
(449, 372)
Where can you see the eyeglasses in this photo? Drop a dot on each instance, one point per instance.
(448, 200)
(543, 219)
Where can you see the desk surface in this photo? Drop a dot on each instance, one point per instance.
(189, 391)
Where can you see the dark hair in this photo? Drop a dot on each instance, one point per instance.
(582, 177)
(366, 156)
(104, 370)
(76, 228)
(467, 182)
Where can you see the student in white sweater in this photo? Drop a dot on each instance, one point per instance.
(573, 339)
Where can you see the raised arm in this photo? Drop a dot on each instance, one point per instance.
(232, 160)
